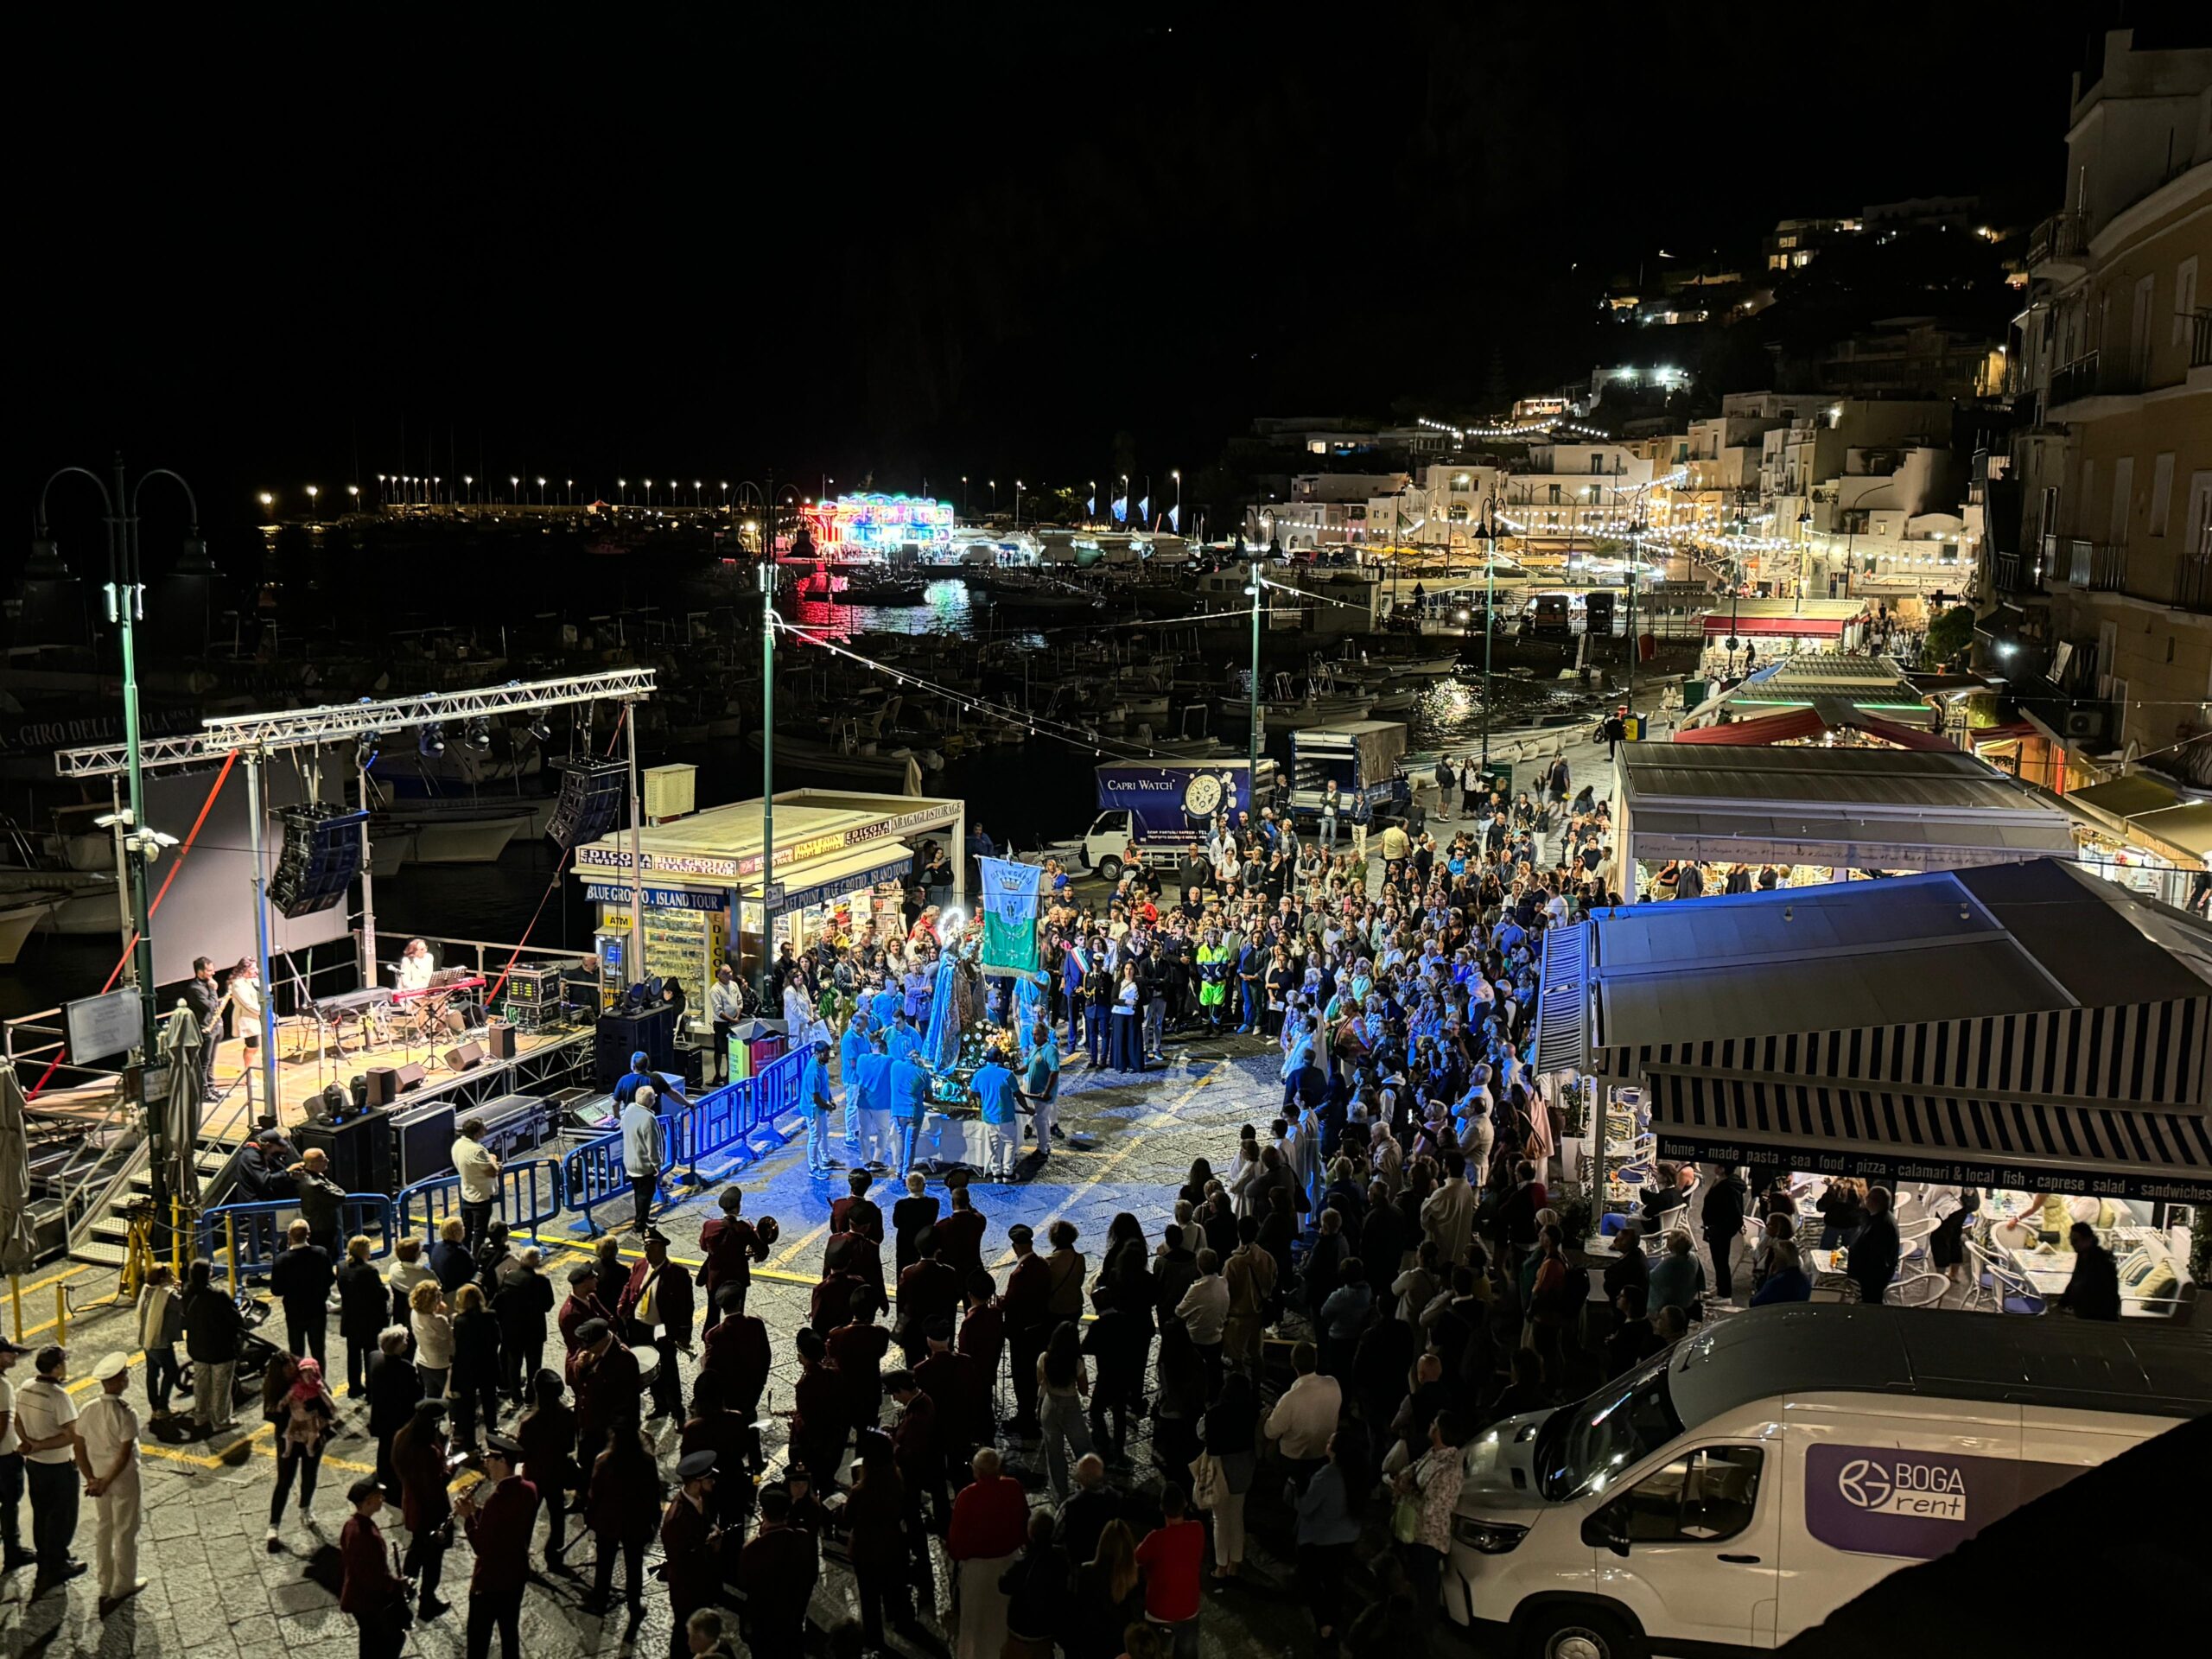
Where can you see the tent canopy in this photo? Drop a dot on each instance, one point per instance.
(1797, 725)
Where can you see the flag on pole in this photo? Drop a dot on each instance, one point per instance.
(1144, 510)
(1175, 518)
(1121, 509)
(1010, 893)
(1091, 506)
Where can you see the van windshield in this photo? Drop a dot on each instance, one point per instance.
(1584, 1446)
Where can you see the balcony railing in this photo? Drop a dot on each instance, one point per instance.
(2193, 583)
(2076, 379)
(2016, 572)
(2099, 566)
(2058, 236)
(2200, 339)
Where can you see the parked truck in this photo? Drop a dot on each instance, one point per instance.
(1165, 809)
(1365, 760)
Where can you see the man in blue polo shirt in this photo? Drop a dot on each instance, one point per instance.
(1001, 1108)
(903, 1039)
(817, 1101)
(640, 1076)
(909, 1087)
(867, 1098)
(851, 1048)
(1040, 1085)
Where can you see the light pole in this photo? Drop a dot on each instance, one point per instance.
(1177, 476)
(1258, 590)
(315, 497)
(767, 575)
(1093, 514)
(541, 492)
(994, 483)
(125, 591)
(964, 495)
(1017, 504)
(1490, 612)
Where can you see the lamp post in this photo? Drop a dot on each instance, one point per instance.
(1258, 590)
(1017, 504)
(767, 575)
(125, 592)
(1489, 614)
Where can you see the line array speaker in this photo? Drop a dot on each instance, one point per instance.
(593, 796)
(321, 856)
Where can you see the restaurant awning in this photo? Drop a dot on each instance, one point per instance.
(1965, 1139)
(1720, 625)
(2150, 813)
(1797, 725)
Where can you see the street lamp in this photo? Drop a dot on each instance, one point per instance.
(314, 492)
(648, 495)
(696, 488)
(125, 592)
(541, 492)
(1490, 611)
(1177, 517)
(354, 491)
(515, 485)
(964, 495)
(267, 499)
(1017, 504)
(620, 484)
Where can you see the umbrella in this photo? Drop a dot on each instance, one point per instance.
(180, 1123)
(18, 1242)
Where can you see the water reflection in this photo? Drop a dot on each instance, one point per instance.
(946, 606)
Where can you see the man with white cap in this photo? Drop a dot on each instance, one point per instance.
(107, 1455)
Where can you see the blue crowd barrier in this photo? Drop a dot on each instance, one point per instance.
(594, 1171)
(529, 1197)
(258, 1228)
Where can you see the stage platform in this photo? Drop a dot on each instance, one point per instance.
(544, 1061)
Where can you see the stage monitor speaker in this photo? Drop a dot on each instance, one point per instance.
(411, 1074)
(321, 856)
(423, 1142)
(467, 1058)
(501, 1036)
(360, 1150)
(593, 796)
(621, 1035)
(383, 1085)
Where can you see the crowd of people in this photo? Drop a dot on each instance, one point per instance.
(1293, 1350)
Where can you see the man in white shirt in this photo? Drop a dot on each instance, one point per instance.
(107, 1453)
(641, 1149)
(1448, 1214)
(480, 1180)
(1305, 1417)
(726, 1008)
(1205, 1312)
(12, 1553)
(46, 1424)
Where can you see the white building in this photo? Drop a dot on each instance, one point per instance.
(1576, 492)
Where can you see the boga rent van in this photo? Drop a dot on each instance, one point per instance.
(1765, 1471)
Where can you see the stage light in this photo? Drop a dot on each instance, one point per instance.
(431, 739)
(540, 730)
(479, 733)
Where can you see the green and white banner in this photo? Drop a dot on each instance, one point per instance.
(1009, 902)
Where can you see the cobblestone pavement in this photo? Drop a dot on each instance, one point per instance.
(215, 1591)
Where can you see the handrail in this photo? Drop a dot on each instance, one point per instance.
(260, 1227)
(529, 1197)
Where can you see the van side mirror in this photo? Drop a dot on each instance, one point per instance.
(1605, 1530)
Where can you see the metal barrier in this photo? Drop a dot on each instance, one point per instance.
(257, 1229)
(777, 1086)
(594, 1171)
(529, 1197)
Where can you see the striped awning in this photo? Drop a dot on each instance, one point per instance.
(2111, 1151)
(1562, 1027)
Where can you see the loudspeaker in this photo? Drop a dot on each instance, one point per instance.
(622, 1035)
(383, 1085)
(593, 796)
(321, 856)
(359, 1151)
(411, 1074)
(501, 1038)
(467, 1058)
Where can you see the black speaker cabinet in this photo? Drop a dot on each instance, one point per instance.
(501, 1036)
(360, 1150)
(622, 1035)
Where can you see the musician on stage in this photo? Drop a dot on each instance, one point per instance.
(416, 967)
(202, 996)
(245, 990)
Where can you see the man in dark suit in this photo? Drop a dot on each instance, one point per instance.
(498, 1513)
(203, 997)
(1874, 1255)
(736, 1353)
(657, 1311)
(1027, 1304)
(1087, 1510)
(394, 1386)
(910, 1217)
(960, 1235)
(300, 1278)
(690, 1545)
(319, 1197)
(583, 1305)
(777, 1571)
(607, 1383)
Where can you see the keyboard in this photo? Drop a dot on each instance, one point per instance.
(347, 1005)
(471, 982)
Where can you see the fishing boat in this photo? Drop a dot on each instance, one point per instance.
(20, 915)
(860, 761)
(83, 901)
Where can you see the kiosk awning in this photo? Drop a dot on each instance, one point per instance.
(819, 881)
(2164, 1155)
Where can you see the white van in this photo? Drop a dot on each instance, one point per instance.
(1766, 1470)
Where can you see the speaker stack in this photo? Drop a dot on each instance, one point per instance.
(321, 856)
(360, 1150)
(593, 796)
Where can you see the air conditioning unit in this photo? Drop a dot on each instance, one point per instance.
(2086, 725)
(670, 791)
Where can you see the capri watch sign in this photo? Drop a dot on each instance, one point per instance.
(1876, 1500)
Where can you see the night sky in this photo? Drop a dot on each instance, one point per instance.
(1021, 242)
